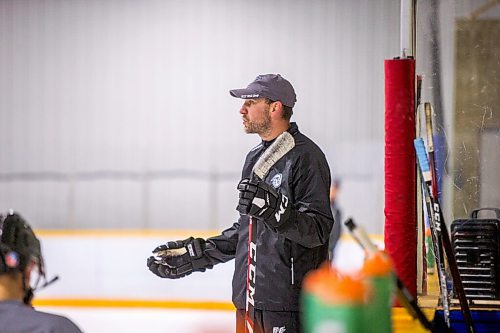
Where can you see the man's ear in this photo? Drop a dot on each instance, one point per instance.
(277, 106)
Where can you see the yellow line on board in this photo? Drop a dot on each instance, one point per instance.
(129, 303)
(167, 233)
(124, 233)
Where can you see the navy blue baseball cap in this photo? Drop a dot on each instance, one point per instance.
(272, 86)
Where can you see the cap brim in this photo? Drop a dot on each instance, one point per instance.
(244, 93)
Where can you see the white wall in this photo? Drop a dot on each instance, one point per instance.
(116, 113)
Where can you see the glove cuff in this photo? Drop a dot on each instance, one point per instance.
(196, 247)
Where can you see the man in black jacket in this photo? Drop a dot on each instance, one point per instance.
(289, 208)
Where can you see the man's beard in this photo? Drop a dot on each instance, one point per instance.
(260, 127)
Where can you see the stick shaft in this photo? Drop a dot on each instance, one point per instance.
(435, 228)
(452, 264)
(250, 311)
(281, 146)
(430, 144)
(437, 219)
(439, 258)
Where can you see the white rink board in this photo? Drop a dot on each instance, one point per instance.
(114, 267)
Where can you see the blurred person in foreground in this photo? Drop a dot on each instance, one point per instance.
(21, 262)
(291, 217)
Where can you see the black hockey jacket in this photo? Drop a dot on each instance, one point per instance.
(300, 244)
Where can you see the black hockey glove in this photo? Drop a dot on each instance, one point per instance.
(263, 202)
(178, 258)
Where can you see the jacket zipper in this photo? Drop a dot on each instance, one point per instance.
(293, 280)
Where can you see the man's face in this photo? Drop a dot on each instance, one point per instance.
(256, 116)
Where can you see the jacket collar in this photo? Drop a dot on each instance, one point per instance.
(293, 129)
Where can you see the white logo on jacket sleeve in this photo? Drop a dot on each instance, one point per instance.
(279, 329)
(276, 180)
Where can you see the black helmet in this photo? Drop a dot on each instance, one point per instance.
(19, 245)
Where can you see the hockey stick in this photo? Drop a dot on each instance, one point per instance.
(430, 146)
(282, 145)
(437, 241)
(421, 227)
(403, 295)
(441, 232)
(435, 232)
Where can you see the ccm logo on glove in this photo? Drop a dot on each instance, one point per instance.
(263, 202)
(283, 207)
